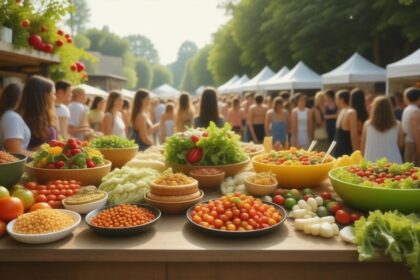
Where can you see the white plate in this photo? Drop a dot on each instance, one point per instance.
(87, 207)
(45, 237)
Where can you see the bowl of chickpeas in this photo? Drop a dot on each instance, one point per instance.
(123, 219)
(43, 226)
(261, 184)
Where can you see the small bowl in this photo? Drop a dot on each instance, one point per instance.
(174, 190)
(176, 207)
(260, 190)
(119, 157)
(86, 207)
(208, 181)
(45, 237)
(125, 231)
(230, 169)
(88, 176)
(14, 171)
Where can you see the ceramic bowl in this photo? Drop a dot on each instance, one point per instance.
(86, 207)
(174, 207)
(258, 189)
(119, 157)
(208, 182)
(14, 171)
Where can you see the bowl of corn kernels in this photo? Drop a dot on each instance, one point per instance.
(43, 226)
(261, 184)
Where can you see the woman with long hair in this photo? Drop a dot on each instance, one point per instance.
(235, 116)
(184, 114)
(14, 133)
(277, 124)
(358, 104)
(167, 122)
(96, 113)
(318, 115)
(142, 129)
(209, 110)
(37, 110)
(302, 125)
(330, 115)
(346, 135)
(113, 124)
(382, 134)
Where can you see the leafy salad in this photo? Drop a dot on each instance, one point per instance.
(381, 174)
(210, 146)
(111, 142)
(396, 234)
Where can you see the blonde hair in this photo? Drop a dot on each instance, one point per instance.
(319, 98)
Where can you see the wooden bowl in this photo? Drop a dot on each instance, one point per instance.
(230, 169)
(178, 207)
(260, 190)
(208, 181)
(87, 176)
(119, 157)
(173, 190)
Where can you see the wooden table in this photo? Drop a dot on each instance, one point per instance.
(175, 250)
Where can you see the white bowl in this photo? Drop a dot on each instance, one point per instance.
(87, 207)
(45, 237)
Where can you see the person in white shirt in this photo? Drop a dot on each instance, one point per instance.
(411, 125)
(14, 133)
(62, 98)
(113, 123)
(78, 122)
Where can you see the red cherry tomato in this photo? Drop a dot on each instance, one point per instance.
(326, 195)
(41, 198)
(278, 199)
(354, 217)
(343, 217)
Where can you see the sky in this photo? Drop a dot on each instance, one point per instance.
(167, 23)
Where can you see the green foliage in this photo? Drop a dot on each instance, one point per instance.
(46, 14)
(106, 42)
(197, 71)
(185, 52)
(161, 75)
(144, 73)
(81, 41)
(79, 16)
(141, 46)
(131, 76)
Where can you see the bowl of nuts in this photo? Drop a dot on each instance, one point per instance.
(261, 184)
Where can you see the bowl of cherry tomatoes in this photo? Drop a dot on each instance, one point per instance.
(295, 168)
(236, 215)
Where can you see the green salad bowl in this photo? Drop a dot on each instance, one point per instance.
(375, 198)
(10, 173)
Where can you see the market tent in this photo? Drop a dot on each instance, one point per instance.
(300, 77)
(93, 91)
(128, 94)
(356, 69)
(222, 88)
(199, 90)
(236, 87)
(254, 83)
(268, 84)
(165, 91)
(404, 73)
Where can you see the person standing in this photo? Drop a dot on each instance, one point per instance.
(209, 110)
(301, 123)
(113, 123)
(346, 134)
(235, 116)
(184, 113)
(246, 104)
(382, 134)
(14, 133)
(62, 98)
(143, 128)
(256, 120)
(167, 123)
(78, 122)
(318, 116)
(37, 110)
(96, 113)
(330, 115)
(277, 124)
(358, 104)
(411, 125)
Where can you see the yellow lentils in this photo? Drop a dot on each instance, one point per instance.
(42, 221)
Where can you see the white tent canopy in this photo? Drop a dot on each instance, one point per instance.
(222, 88)
(128, 94)
(236, 87)
(93, 91)
(199, 90)
(165, 91)
(356, 69)
(406, 67)
(254, 83)
(268, 84)
(300, 77)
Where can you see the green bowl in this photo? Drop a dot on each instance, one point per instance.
(376, 198)
(10, 173)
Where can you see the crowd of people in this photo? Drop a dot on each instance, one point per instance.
(375, 124)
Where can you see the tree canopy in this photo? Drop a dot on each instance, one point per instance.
(161, 75)
(141, 46)
(178, 68)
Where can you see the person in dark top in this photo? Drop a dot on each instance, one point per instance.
(342, 134)
(209, 110)
(330, 115)
(398, 103)
(358, 104)
(38, 111)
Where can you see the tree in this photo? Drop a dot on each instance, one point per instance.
(144, 73)
(106, 42)
(197, 72)
(185, 52)
(131, 76)
(161, 75)
(141, 46)
(79, 16)
(81, 41)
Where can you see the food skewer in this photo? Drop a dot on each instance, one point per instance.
(330, 148)
(313, 143)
